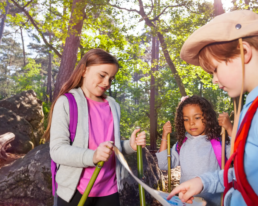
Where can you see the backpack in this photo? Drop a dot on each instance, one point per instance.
(241, 183)
(72, 129)
(216, 145)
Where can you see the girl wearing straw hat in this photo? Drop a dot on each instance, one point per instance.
(227, 47)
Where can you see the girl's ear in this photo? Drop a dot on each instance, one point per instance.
(247, 51)
(85, 72)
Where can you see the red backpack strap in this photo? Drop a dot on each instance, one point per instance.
(249, 195)
(177, 146)
(242, 184)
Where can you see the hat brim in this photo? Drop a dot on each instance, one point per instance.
(221, 29)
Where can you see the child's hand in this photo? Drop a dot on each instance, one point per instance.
(103, 152)
(167, 129)
(224, 121)
(139, 140)
(187, 190)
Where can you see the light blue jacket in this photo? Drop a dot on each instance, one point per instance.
(196, 157)
(73, 158)
(213, 182)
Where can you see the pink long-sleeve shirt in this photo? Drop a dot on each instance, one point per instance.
(101, 129)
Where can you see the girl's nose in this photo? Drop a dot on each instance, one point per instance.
(106, 81)
(191, 122)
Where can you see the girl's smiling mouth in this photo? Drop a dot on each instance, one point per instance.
(103, 88)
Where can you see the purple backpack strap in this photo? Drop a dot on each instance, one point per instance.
(216, 145)
(72, 129)
(73, 115)
(177, 146)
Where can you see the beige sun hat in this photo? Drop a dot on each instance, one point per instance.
(225, 27)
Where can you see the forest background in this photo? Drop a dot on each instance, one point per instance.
(41, 41)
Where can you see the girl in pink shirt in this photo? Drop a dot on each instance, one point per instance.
(98, 124)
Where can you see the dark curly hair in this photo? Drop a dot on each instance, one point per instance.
(212, 128)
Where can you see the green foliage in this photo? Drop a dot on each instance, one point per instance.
(116, 31)
(29, 78)
(46, 108)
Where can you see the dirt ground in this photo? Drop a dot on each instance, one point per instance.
(175, 179)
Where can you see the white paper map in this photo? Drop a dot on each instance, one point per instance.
(158, 195)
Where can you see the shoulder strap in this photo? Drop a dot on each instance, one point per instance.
(246, 190)
(177, 146)
(72, 129)
(216, 145)
(73, 115)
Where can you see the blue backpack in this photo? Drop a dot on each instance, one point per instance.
(72, 129)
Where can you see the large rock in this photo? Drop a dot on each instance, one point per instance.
(153, 177)
(5, 140)
(24, 137)
(27, 182)
(27, 105)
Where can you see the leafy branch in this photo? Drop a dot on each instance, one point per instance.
(35, 24)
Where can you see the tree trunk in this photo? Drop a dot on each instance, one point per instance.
(49, 77)
(153, 113)
(171, 65)
(72, 43)
(247, 2)
(3, 20)
(218, 8)
(23, 49)
(163, 44)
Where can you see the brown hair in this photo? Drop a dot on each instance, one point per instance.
(212, 128)
(92, 57)
(223, 51)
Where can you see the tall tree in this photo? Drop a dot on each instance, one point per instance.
(218, 8)
(23, 48)
(153, 85)
(69, 56)
(49, 74)
(3, 20)
(149, 22)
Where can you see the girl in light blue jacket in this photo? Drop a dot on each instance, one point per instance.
(217, 47)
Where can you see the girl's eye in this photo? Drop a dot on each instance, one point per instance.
(198, 118)
(215, 70)
(102, 76)
(185, 120)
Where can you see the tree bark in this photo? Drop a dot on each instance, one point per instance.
(218, 8)
(72, 43)
(171, 65)
(23, 49)
(49, 77)
(3, 20)
(153, 113)
(49, 71)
